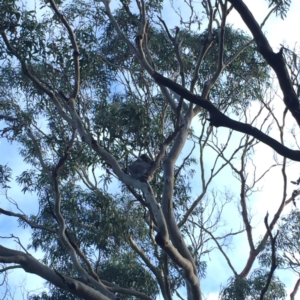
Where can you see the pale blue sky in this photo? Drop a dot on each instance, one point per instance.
(277, 31)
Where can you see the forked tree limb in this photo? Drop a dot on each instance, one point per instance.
(218, 119)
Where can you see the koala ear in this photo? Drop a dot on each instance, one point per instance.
(146, 158)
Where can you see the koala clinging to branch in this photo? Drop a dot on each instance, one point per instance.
(139, 168)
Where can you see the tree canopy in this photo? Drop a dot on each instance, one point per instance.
(125, 125)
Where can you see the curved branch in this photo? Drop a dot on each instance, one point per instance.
(75, 48)
(26, 220)
(32, 265)
(147, 261)
(275, 60)
(221, 250)
(274, 259)
(38, 83)
(117, 289)
(218, 119)
(295, 290)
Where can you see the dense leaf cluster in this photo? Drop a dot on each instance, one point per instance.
(125, 113)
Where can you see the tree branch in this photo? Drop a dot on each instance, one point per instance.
(275, 60)
(32, 265)
(218, 119)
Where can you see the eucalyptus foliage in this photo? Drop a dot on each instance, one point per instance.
(78, 99)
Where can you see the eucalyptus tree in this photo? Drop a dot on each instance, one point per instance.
(87, 88)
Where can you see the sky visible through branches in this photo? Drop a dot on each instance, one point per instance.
(267, 200)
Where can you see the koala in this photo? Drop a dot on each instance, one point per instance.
(140, 167)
